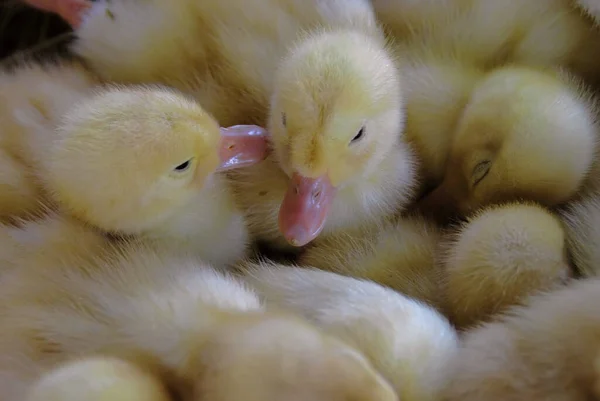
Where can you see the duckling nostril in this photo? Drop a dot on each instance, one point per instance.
(231, 146)
(316, 194)
(297, 190)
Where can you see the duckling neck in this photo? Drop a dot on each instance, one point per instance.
(376, 196)
(209, 226)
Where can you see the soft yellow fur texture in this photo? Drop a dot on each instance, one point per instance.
(408, 342)
(499, 257)
(399, 254)
(547, 350)
(324, 64)
(526, 133)
(200, 333)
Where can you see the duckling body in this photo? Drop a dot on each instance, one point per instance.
(313, 70)
(400, 255)
(526, 133)
(170, 322)
(546, 350)
(33, 98)
(499, 258)
(406, 341)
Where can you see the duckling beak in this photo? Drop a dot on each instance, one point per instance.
(304, 209)
(242, 146)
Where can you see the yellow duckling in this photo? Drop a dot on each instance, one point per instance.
(170, 321)
(33, 98)
(525, 134)
(547, 350)
(582, 224)
(499, 257)
(141, 161)
(409, 343)
(335, 115)
(400, 255)
(336, 126)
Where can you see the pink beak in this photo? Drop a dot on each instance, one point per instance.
(242, 146)
(70, 10)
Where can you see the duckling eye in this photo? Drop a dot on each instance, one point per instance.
(183, 166)
(480, 171)
(358, 135)
(283, 120)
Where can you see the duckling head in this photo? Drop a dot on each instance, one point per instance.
(127, 158)
(525, 134)
(336, 113)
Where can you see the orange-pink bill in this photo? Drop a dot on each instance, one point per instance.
(242, 146)
(305, 208)
(70, 10)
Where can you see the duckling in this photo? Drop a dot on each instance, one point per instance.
(524, 134)
(546, 350)
(335, 111)
(69, 10)
(149, 154)
(591, 8)
(499, 257)
(336, 125)
(33, 98)
(582, 223)
(409, 343)
(400, 255)
(200, 333)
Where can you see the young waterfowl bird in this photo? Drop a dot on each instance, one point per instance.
(546, 350)
(409, 343)
(400, 255)
(319, 72)
(147, 158)
(167, 323)
(499, 257)
(33, 99)
(525, 134)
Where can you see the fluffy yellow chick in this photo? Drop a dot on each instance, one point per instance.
(547, 350)
(582, 224)
(202, 334)
(33, 98)
(400, 255)
(525, 134)
(499, 257)
(336, 107)
(336, 126)
(409, 343)
(142, 161)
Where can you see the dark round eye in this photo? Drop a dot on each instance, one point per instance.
(283, 119)
(359, 135)
(183, 166)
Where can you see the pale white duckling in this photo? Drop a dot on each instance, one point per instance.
(546, 350)
(399, 254)
(409, 343)
(499, 257)
(336, 125)
(172, 323)
(525, 134)
(144, 161)
(33, 98)
(582, 225)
